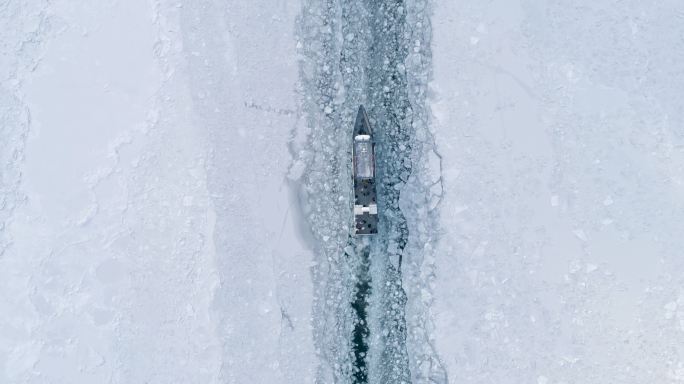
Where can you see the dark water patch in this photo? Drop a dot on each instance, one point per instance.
(360, 307)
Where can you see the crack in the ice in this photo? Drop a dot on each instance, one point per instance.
(267, 108)
(286, 318)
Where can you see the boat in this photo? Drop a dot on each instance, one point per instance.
(363, 174)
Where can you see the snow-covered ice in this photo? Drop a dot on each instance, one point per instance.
(175, 192)
(577, 104)
(147, 225)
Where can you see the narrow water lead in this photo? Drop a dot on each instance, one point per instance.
(353, 53)
(360, 307)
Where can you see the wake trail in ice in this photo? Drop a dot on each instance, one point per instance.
(353, 53)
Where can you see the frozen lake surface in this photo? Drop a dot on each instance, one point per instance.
(175, 192)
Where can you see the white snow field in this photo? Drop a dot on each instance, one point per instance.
(146, 229)
(562, 256)
(174, 183)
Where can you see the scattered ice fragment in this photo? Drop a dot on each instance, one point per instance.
(677, 374)
(608, 201)
(580, 234)
(542, 380)
(554, 200)
(392, 247)
(296, 170)
(591, 268)
(670, 309)
(328, 110)
(575, 267)
(571, 359)
(474, 40)
(187, 201)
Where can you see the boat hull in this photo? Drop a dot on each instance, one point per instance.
(363, 173)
